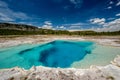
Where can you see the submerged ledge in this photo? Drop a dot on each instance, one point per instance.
(108, 72)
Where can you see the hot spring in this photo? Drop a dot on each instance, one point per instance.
(63, 54)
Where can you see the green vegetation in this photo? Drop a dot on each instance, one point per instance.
(20, 29)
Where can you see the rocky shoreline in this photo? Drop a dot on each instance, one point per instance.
(108, 72)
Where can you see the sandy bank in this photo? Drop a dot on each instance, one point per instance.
(17, 40)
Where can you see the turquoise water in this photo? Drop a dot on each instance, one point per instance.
(54, 54)
(58, 53)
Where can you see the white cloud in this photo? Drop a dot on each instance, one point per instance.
(60, 27)
(118, 4)
(3, 4)
(117, 14)
(109, 7)
(4, 17)
(75, 26)
(110, 26)
(7, 14)
(110, 18)
(21, 15)
(114, 22)
(97, 21)
(111, 2)
(47, 25)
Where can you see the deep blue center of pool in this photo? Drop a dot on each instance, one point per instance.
(54, 54)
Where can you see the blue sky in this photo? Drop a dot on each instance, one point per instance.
(99, 15)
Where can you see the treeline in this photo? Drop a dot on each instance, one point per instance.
(21, 29)
(93, 33)
(55, 32)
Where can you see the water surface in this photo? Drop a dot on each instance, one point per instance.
(58, 53)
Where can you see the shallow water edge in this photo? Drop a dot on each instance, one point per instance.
(96, 57)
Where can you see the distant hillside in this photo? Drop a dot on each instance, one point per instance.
(20, 29)
(17, 27)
